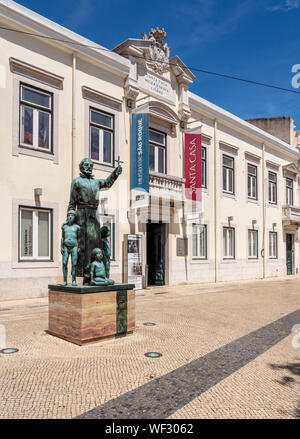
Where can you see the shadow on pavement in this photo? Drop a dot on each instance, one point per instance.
(294, 369)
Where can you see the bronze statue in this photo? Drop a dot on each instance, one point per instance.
(85, 198)
(105, 234)
(69, 245)
(97, 270)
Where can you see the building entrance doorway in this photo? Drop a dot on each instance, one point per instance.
(289, 253)
(156, 239)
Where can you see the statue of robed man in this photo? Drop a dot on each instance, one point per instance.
(85, 199)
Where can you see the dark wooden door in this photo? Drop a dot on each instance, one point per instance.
(156, 253)
(289, 253)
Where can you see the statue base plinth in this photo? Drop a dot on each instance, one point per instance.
(87, 314)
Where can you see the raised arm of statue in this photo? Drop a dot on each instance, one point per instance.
(109, 181)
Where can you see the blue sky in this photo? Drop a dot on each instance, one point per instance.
(253, 39)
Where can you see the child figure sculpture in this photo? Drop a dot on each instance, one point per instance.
(105, 234)
(69, 245)
(98, 273)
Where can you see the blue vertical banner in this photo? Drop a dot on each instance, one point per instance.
(140, 157)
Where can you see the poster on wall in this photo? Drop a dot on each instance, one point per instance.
(134, 252)
(140, 157)
(192, 171)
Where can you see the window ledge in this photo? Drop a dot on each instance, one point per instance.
(252, 200)
(35, 264)
(103, 167)
(199, 260)
(229, 261)
(34, 152)
(229, 195)
(273, 205)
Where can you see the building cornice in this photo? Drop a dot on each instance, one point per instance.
(24, 19)
(212, 111)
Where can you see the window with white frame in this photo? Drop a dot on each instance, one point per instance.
(273, 246)
(289, 192)
(157, 151)
(199, 241)
(252, 181)
(35, 234)
(101, 137)
(203, 167)
(36, 114)
(109, 221)
(228, 243)
(272, 176)
(252, 244)
(228, 174)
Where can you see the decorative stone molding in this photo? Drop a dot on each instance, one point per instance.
(291, 215)
(251, 156)
(131, 89)
(101, 98)
(272, 165)
(228, 148)
(163, 182)
(184, 112)
(36, 73)
(290, 170)
(163, 112)
(206, 139)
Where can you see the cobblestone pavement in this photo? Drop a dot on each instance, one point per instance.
(226, 353)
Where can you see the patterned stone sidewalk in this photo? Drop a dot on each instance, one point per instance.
(226, 353)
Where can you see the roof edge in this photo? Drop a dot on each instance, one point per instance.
(38, 23)
(217, 112)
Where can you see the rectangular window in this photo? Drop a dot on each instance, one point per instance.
(36, 118)
(35, 234)
(273, 248)
(252, 182)
(199, 241)
(252, 244)
(228, 174)
(109, 221)
(101, 137)
(203, 167)
(289, 192)
(228, 243)
(157, 151)
(272, 187)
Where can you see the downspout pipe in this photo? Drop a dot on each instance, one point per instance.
(263, 251)
(74, 60)
(215, 200)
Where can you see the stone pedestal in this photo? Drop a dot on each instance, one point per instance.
(87, 314)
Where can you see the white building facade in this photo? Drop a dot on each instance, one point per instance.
(63, 98)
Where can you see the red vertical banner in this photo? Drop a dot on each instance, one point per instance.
(192, 166)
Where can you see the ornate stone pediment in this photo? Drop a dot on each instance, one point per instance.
(154, 73)
(291, 168)
(157, 51)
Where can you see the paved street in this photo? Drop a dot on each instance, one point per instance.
(226, 353)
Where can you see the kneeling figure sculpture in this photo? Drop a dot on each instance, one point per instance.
(97, 271)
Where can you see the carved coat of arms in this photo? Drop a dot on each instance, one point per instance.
(158, 52)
